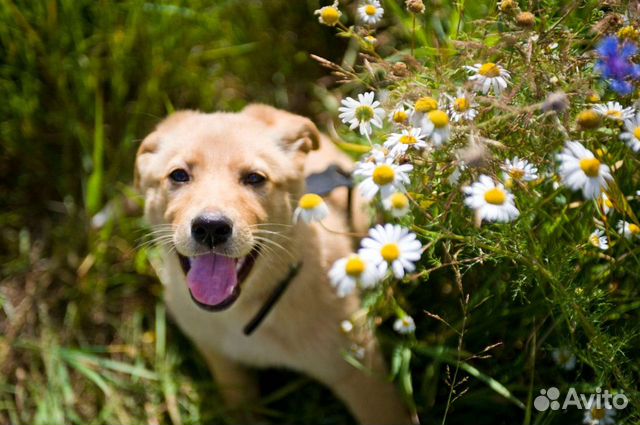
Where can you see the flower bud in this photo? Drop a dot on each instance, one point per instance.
(415, 6)
(526, 20)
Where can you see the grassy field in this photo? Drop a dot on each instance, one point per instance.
(84, 335)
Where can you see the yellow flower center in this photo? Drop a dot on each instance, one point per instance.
(636, 133)
(426, 104)
(383, 175)
(399, 201)
(590, 166)
(355, 266)
(439, 118)
(489, 70)
(370, 10)
(400, 117)
(408, 140)
(595, 240)
(516, 173)
(390, 252)
(614, 114)
(495, 196)
(588, 119)
(597, 414)
(406, 322)
(461, 104)
(634, 229)
(364, 113)
(593, 98)
(310, 201)
(330, 15)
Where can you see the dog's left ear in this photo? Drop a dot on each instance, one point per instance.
(296, 133)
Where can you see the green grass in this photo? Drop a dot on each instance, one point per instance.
(83, 338)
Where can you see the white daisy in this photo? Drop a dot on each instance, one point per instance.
(329, 15)
(564, 358)
(628, 230)
(391, 246)
(311, 207)
(604, 203)
(614, 111)
(397, 204)
(462, 107)
(595, 415)
(520, 170)
(378, 154)
(580, 170)
(399, 143)
(404, 325)
(632, 133)
(492, 202)
(370, 12)
(435, 124)
(362, 113)
(599, 240)
(355, 269)
(384, 176)
(489, 76)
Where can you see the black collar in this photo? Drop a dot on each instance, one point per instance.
(272, 300)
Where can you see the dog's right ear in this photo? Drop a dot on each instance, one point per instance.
(147, 167)
(143, 177)
(147, 177)
(295, 133)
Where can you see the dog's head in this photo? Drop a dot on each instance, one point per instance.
(215, 185)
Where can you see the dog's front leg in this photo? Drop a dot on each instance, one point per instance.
(372, 399)
(237, 385)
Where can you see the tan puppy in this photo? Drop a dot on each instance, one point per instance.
(220, 189)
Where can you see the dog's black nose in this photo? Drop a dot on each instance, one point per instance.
(211, 230)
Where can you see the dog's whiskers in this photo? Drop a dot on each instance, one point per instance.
(162, 240)
(266, 242)
(276, 234)
(259, 225)
(160, 234)
(275, 258)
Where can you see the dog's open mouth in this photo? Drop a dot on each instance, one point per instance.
(214, 280)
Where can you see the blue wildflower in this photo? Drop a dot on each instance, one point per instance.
(615, 64)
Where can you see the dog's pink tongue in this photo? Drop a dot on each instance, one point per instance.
(212, 278)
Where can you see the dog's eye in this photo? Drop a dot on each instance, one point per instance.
(179, 176)
(253, 179)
